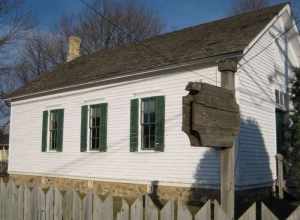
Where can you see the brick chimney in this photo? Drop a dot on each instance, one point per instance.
(74, 48)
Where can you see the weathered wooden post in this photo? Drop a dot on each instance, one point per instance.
(211, 119)
(280, 178)
(228, 69)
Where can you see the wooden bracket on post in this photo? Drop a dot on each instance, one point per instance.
(211, 118)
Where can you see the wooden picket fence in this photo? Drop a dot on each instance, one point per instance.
(3, 159)
(25, 203)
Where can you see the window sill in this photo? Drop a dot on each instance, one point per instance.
(147, 151)
(93, 151)
(52, 151)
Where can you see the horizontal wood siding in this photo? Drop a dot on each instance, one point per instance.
(261, 71)
(179, 163)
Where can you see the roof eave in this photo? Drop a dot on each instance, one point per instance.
(201, 63)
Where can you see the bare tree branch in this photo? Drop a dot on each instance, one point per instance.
(43, 51)
(14, 23)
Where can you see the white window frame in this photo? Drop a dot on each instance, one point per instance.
(90, 102)
(88, 130)
(140, 124)
(49, 109)
(140, 96)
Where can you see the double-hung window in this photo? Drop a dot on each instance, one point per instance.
(94, 127)
(147, 121)
(52, 131)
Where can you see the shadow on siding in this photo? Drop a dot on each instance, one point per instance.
(252, 166)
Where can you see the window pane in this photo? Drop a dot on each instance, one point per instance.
(152, 117)
(94, 127)
(146, 141)
(152, 140)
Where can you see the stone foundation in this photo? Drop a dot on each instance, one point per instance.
(131, 191)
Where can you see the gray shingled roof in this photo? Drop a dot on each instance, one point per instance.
(207, 40)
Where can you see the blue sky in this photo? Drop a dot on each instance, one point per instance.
(175, 13)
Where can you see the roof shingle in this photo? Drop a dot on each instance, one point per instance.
(211, 39)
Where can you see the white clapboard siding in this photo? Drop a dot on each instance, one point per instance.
(179, 163)
(257, 80)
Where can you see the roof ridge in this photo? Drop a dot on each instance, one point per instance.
(223, 19)
(187, 28)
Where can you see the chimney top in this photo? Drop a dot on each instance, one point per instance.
(74, 48)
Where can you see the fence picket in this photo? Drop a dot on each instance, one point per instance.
(58, 200)
(107, 208)
(3, 203)
(219, 213)
(205, 212)
(250, 214)
(97, 207)
(88, 206)
(20, 206)
(77, 207)
(50, 204)
(136, 210)
(183, 212)
(151, 211)
(27, 203)
(24, 203)
(12, 200)
(295, 215)
(124, 212)
(67, 205)
(266, 214)
(38, 204)
(168, 211)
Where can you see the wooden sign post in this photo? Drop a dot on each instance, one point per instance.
(227, 155)
(211, 118)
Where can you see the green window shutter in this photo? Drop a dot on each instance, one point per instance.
(60, 130)
(84, 128)
(45, 131)
(134, 124)
(103, 127)
(160, 122)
